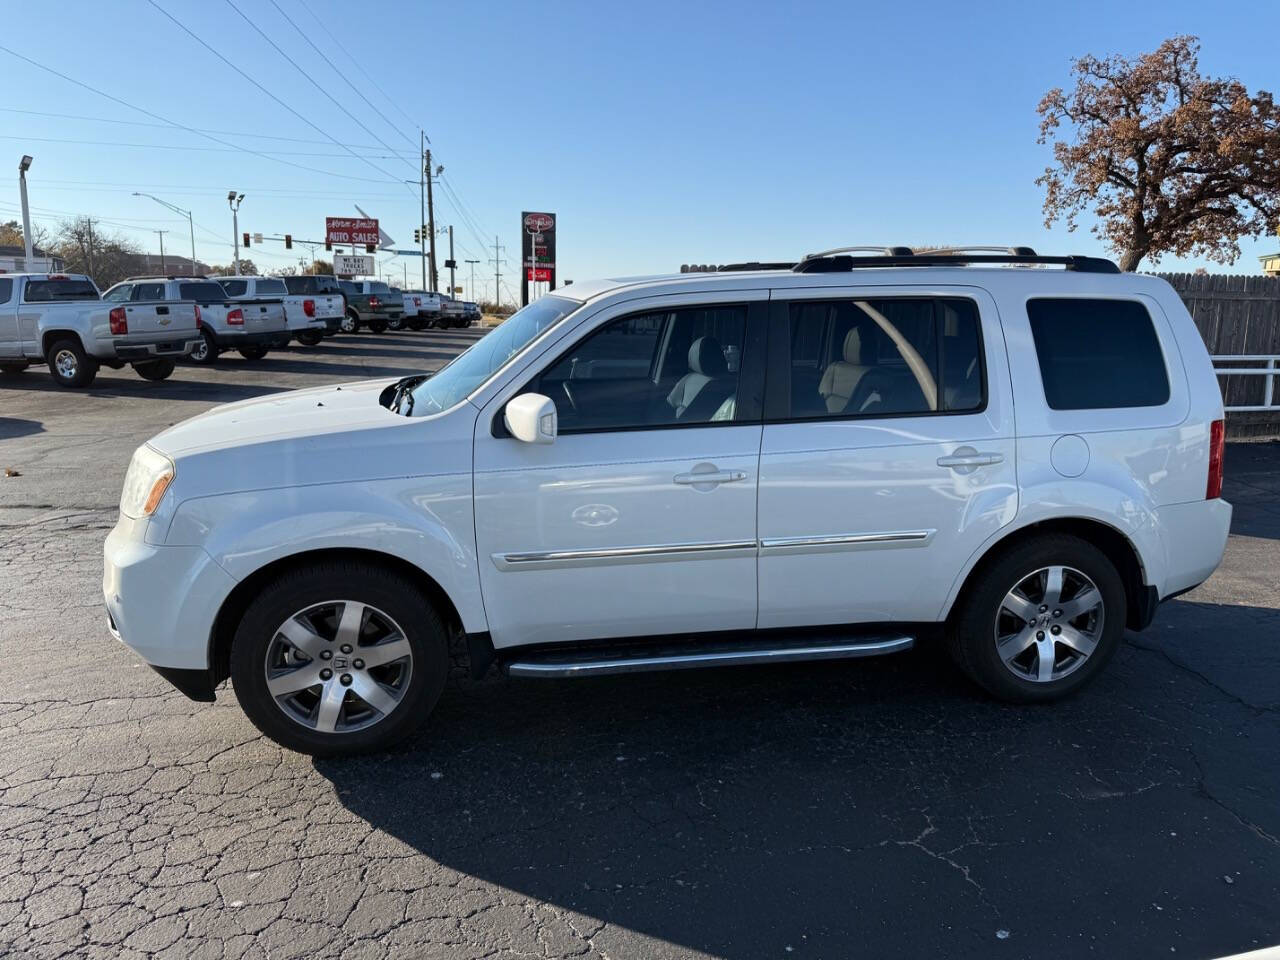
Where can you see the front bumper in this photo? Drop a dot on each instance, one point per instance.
(131, 352)
(162, 601)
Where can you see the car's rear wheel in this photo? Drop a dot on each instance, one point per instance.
(310, 338)
(70, 365)
(377, 326)
(1041, 620)
(206, 351)
(339, 658)
(159, 369)
(253, 353)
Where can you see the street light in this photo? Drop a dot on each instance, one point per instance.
(23, 166)
(233, 201)
(190, 223)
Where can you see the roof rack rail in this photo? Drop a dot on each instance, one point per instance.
(755, 265)
(1012, 251)
(841, 263)
(883, 251)
(165, 276)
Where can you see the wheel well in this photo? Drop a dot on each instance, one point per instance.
(1109, 540)
(233, 608)
(53, 336)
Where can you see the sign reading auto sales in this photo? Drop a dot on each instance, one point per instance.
(538, 250)
(355, 231)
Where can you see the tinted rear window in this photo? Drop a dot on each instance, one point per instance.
(271, 288)
(300, 284)
(1098, 354)
(234, 288)
(201, 292)
(43, 291)
(6, 290)
(379, 288)
(348, 287)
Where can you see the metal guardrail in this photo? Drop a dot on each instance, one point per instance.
(1270, 368)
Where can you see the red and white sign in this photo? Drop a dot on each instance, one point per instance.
(538, 222)
(351, 230)
(539, 276)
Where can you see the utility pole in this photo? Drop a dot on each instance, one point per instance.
(191, 224)
(163, 269)
(28, 243)
(473, 263)
(497, 272)
(452, 263)
(422, 203)
(431, 226)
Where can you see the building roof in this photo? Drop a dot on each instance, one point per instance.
(10, 250)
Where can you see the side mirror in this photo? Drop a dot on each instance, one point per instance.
(531, 417)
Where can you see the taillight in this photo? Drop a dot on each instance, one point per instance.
(309, 307)
(119, 324)
(235, 318)
(199, 322)
(1217, 444)
(374, 302)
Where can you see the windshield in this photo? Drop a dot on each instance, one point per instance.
(467, 371)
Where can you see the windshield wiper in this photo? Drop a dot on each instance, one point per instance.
(403, 390)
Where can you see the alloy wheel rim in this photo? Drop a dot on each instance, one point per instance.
(66, 363)
(201, 351)
(1049, 624)
(338, 666)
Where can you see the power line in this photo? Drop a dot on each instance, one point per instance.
(340, 73)
(181, 126)
(165, 126)
(239, 70)
(313, 81)
(183, 147)
(286, 192)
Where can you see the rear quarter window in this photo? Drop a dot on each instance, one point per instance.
(1098, 354)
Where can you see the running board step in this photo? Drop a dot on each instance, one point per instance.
(691, 655)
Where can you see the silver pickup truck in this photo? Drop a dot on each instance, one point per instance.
(60, 319)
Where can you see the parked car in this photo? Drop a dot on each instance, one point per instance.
(328, 305)
(369, 304)
(452, 313)
(826, 462)
(304, 316)
(421, 309)
(471, 311)
(60, 319)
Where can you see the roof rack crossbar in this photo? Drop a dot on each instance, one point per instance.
(842, 263)
(1012, 251)
(883, 251)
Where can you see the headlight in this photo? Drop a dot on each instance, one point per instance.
(149, 476)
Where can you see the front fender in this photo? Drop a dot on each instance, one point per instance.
(425, 521)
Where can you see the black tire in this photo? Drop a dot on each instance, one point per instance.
(416, 325)
(971, 638)
(252, 353)
(206, 352)
(304, 587)
(396, 323)
(310, 338)
(377, 326)
(12, 368)
(70, 365)
(159, 369)
(350, 322)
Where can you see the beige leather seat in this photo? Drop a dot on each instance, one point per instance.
(841, 378)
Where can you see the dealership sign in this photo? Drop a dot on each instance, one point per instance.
(538, 250)
(349, 265)
(356, 231)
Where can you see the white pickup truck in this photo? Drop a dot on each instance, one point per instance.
(297, 320)
(61, 319)
(328, 303)
(421, 309)
(452, 313)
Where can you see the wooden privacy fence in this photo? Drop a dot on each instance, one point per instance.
(1239, 319)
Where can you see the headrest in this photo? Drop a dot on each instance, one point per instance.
(707, 357)
(853, 346)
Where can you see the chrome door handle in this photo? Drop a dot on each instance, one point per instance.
(968, 461)
(719, 476)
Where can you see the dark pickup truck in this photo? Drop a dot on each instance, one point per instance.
(370, 303)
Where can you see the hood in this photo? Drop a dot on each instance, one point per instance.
(312, 412)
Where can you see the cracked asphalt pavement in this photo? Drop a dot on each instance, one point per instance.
(879, 808)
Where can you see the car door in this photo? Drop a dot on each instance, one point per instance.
(10, 342)
(639, 519)
(887, 456)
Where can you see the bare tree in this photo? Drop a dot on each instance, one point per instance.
(1170, 161)
(11, 235)
(106, 257)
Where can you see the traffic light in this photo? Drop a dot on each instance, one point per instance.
(417, 235)
(288, 241)
(245, 244)
(368, 248)
(328, 245)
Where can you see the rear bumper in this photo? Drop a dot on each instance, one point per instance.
(232, 341)
(1195, 537)
(170, 347)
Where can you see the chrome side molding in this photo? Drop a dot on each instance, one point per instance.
(568, 665)
(898, 538)
(541, 560)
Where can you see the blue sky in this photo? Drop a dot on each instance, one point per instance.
(660, 133)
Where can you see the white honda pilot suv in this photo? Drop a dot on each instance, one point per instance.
(1018, 455)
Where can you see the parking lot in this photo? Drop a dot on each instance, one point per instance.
(878, 808)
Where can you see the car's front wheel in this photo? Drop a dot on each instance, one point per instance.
(1041, 620)
(253, 353)
(377, 326)
(159, 369)
(339, 658)
(350, 322)
(396, 323)
(310, 338)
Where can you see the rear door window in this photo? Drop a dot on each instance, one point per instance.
(6, 290)
(1098, 354)
(148, 291)
(119, 293)
(270, 288)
